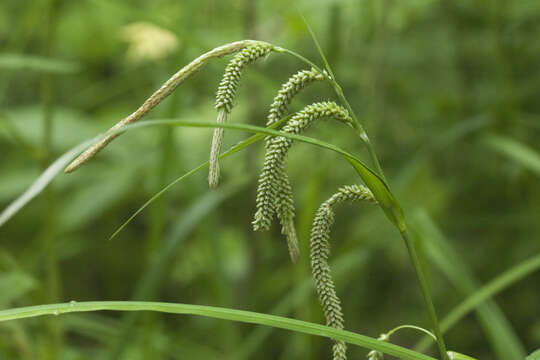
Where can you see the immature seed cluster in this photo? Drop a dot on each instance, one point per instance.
(319, 252)
(284, 201)
(274, 193)
(225, 97)
(289, 90)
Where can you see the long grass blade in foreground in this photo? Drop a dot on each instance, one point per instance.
(158, 271)
(218, 313)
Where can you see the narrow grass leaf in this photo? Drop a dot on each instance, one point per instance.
(217, 313)
(379, 188)
(484, 293)
(21, 62)
(42, 181)
(501, 335)
(515, 150)
(234, 149)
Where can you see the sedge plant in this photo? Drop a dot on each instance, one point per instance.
(274, 193)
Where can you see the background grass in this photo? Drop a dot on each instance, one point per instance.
(449, 95)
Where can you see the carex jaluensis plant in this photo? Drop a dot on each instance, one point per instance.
(275, 195)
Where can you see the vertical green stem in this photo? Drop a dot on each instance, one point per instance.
(426, 293)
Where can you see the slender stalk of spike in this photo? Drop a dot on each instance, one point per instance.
(225, 97)
(274, 191)
(319, 252)
(165, 90)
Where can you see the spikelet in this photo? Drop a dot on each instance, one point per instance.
(319, 253)
(225, 97)
(288, 91)
(274, 192)
(284, 203)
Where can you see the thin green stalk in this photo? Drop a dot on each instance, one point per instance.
(418, 328)
(426, 293)
(358, 128)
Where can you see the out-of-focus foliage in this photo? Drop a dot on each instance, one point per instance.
(448, 91)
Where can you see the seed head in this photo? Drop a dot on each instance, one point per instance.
(289, 90)
(225, 97)
(274, 192)
(320, 251)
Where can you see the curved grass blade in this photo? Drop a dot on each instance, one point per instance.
(234, 149)
(486, 292)
(515, 150)
(498, 330)
(373, 181)
(218, 313)
(379, 188)
(43, 180)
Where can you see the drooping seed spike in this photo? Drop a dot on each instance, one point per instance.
(158, 96)
(273, 193)
(289, 90)
(319, 253)
(226, 95)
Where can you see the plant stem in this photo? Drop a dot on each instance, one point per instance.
(426, 293)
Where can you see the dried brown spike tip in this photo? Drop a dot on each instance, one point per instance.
(165, 90)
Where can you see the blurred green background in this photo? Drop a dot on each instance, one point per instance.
(448, 91)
